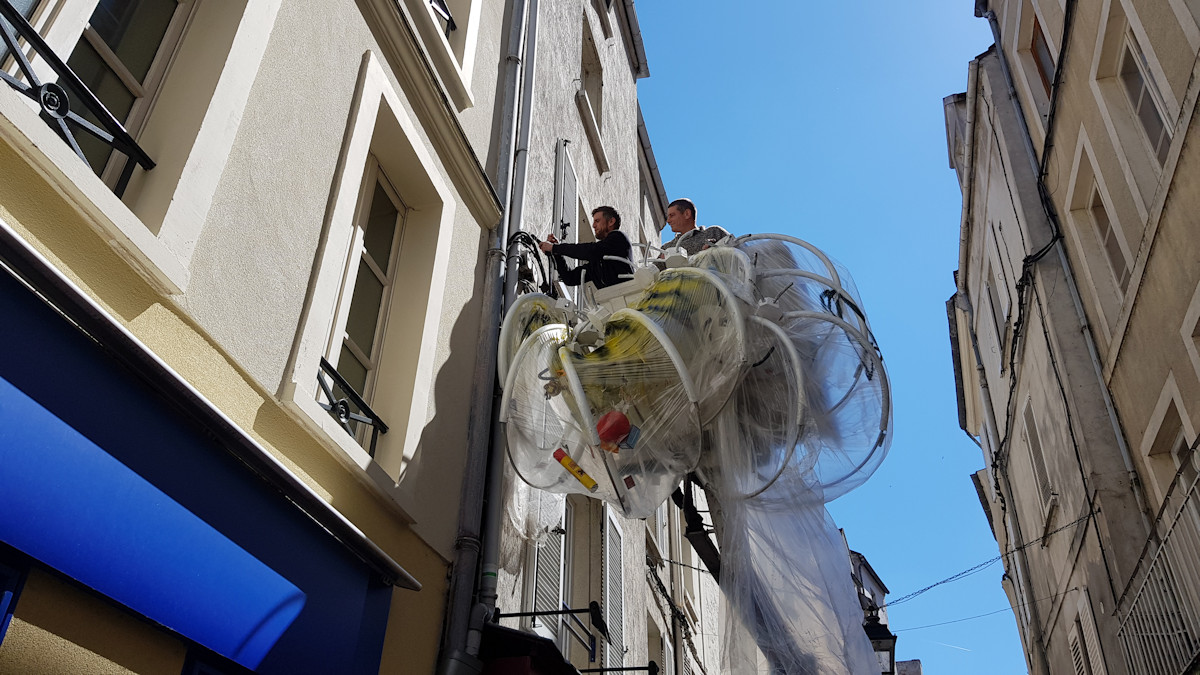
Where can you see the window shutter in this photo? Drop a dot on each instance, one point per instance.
(614, 595)
(566, 195)
(1091, 637)
(1038, 458)
(1079, 661)
(548, 584)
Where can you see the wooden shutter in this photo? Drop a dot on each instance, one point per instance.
(1091, 637)
(566, 195)
(614, 594)
(548, 584)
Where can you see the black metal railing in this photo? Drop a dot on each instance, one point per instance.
(443, 10)
(56, 105)
(572, 623)
(340, 407)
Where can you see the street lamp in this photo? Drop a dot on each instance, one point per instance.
(882, 641)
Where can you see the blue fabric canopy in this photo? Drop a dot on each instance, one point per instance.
(72, 506)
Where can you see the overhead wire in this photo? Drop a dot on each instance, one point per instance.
(987, 563)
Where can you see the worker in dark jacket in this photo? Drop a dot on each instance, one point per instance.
(593, 267)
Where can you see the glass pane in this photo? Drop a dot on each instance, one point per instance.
(364, 308)
(1132, 78)
(1116, 258)
(108, 88)
(381, 229)
(354, 372)
(134, 29)
(1151, 122)
(25, 7)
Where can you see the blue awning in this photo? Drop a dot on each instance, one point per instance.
(72, 506)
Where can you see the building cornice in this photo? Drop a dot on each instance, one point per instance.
(415, 72)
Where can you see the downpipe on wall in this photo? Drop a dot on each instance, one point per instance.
(464, 621)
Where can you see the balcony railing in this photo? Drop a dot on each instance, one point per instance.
(349, 409)
(56, 107)
(1160, 629)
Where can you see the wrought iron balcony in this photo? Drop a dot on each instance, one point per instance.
(56, 106)
(1160, 623)
(349, 409)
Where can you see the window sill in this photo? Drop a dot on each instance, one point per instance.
(456, 78)
(303, 407)
(34, 141)
(592, 129)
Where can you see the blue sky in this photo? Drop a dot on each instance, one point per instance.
(824, 120)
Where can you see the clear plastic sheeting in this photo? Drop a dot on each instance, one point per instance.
(750, 365)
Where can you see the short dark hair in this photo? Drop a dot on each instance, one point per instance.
(609, 212)
(684, 204)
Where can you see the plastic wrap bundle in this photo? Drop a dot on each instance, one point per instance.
(753, 366)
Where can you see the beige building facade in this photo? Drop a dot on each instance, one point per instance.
(1074, 324)
(258, 320)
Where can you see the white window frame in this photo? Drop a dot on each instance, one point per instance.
(1026, 74)
(367, 354)
(156, 227)
(1169, 398)
(1109, 300)
(1140, 168)
(1149, 97)
(453, 59)
(1189, 331)
(591, 113)
(428, 234)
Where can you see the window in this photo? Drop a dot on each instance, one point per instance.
(1145, 99)
(1109, 240)
(590, 96)
(1099, 239)
(999, 320)
(1033, 67)
(449, 30)
(367, 287)
(1042, 57)
(591, 75)
(1033, 440)
(614, 592)
(375, 307)
(122, 57)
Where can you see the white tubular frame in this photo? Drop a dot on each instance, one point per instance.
(797, 410)
(711, 252)
(872, 353)
(799, 242)
(526, 345)
(503, 360)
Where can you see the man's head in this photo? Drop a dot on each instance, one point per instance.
(681, 216)
(605, 219)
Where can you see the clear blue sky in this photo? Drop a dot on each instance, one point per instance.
(824, 120)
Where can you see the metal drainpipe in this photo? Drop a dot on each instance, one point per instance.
(462, 634)
(495, 508)
(1072, 288)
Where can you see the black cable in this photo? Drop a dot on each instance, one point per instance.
(987, 563)
(1010, 608)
